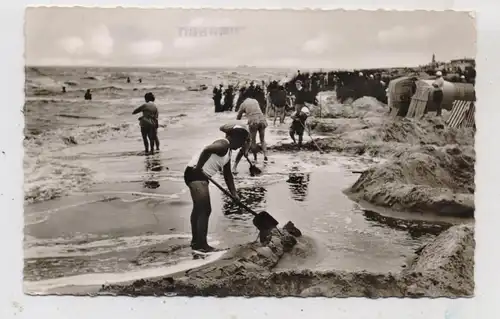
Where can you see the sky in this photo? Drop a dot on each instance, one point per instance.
(263, 38)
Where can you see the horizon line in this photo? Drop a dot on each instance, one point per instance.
(220, 67)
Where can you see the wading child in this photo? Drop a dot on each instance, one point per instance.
(299, 124)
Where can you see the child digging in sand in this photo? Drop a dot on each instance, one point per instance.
(299, 124)
(244, 149)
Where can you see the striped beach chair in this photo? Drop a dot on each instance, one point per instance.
(462, 114)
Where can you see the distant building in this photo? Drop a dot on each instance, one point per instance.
(462, 63)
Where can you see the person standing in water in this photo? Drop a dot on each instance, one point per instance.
(228, 98)
(216, 96)
(88, 95)
(149, 123)
(257, 122)
(214, 158)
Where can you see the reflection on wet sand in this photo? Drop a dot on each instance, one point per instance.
(153, 166)
(254, 197)
(298, 184)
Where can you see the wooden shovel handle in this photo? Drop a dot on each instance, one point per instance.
(225, 191)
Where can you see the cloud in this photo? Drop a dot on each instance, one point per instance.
(196, 22)
(101, 41)
(188, 42)
(146, 47)
(400, 33)
(316, 45)
(72, 45)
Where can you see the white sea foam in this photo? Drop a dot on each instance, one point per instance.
(44, 286)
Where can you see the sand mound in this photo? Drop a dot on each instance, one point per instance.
(241, 261)
(378, 135)
(360, 108)
(443, 267)
(428, 179)
(364, 127)
(431, 130)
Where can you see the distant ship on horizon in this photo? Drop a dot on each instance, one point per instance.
(245, 66)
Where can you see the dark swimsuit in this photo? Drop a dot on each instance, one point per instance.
(191, 175)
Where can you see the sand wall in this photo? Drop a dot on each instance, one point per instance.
(442, 268)
(427, 179)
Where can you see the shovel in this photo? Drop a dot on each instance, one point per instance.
(312, 139)
(254, 170)
(263, 220)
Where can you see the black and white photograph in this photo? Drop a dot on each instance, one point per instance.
(257, 153)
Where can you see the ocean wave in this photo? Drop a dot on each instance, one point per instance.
(59, 138)
(119, 76)
(93, 77)
(45, 92)
(42, 82)
(106, 88)
(78, 116)
(163, 87)
(46, 179)
(32, 102)
(71, 83)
